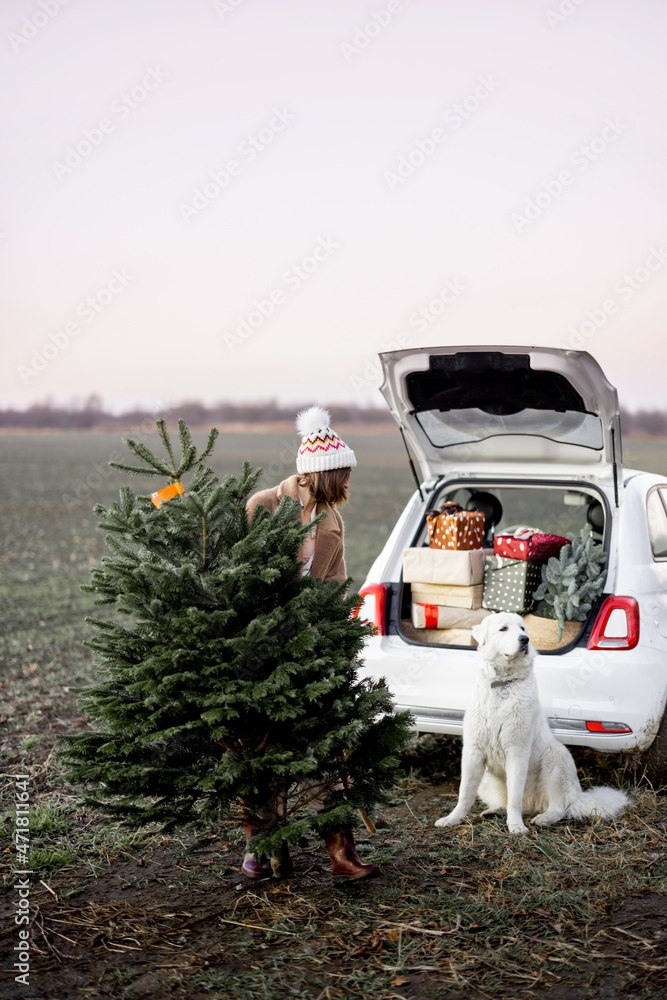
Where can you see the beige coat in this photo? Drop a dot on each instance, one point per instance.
(328, 558)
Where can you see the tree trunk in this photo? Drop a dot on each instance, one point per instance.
(281, 863)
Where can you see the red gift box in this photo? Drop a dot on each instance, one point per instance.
(526, 543)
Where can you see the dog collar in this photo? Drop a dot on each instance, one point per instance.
(504, 693)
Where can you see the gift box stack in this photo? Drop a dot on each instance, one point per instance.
(446, 578)
(514, 571)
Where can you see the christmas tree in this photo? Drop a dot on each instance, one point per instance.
(232, 678)
(572, 581)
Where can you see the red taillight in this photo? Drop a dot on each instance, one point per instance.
(607, 727)
(617, 625)
(372, 606)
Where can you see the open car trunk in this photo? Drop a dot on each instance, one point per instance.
(557, 509)
(528, 435)
(520, 411)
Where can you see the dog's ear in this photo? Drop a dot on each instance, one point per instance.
(478, 632)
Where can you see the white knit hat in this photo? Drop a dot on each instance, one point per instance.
(321, 448)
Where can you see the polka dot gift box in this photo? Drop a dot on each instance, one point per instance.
(509, 584)
(526, 543)
(455, 528)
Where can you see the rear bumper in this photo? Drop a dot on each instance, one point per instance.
(571, 731)
(435, 685)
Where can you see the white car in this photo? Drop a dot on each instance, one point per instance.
(531, 436)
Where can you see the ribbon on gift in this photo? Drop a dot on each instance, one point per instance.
(525, 533)
(430, 615)
(448, 507)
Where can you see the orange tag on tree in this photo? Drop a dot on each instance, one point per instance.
(167, 493)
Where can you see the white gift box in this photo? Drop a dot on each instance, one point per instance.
(437, 616)
(459, 567)
(447, 595)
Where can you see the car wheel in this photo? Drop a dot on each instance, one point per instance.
(654, 760)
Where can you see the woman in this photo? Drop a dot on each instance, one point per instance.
(323, 466)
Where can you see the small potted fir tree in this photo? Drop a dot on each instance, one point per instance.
(571, 583)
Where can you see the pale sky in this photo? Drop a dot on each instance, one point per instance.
(389, 173)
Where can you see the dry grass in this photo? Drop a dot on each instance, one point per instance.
(573, 911)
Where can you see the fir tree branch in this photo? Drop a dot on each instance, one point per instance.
(232, 749)
(320, 789)
(188, 459)
(166, 441)
(184, 437)
(212, 438)
(158, 464)
(131, 468)
(265, 742)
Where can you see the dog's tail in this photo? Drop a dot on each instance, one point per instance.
(602, 802)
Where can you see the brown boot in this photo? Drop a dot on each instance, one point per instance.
(253, 866)
(345, 862)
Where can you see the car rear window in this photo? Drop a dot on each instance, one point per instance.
(444, 429)
(656, 508)
(558, 511)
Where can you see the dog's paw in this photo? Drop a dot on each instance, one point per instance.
(544, 819)
(451, 820)
(517, 828)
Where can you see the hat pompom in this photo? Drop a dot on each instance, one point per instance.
(315, 418)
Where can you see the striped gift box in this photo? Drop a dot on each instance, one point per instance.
(438, 616)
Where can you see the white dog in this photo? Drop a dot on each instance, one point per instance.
(510, 755)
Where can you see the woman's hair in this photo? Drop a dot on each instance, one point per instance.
(327, 486)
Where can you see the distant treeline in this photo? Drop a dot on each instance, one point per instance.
(92, 415)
